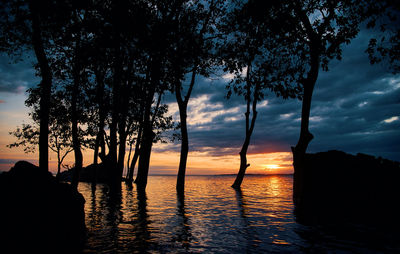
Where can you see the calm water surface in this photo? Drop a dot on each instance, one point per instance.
(211, 218)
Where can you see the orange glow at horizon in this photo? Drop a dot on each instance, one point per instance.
(13, 113)
(199, 163)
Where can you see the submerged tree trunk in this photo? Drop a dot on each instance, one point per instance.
(121, 151)
(249, 129)
(148, 134)
(299, 151)
(45, 85)
(182, 104)
(144, 159)
(129, 160)
(122, 130)
(145, 148)
(243, 163)
(135, 156)
(180, 184)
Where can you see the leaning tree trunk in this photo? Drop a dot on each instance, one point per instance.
(243, 151)
(249, 129)
(45, 86)
(243, 163)
(182, 104)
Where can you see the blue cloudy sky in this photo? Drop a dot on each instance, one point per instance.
(355, 108)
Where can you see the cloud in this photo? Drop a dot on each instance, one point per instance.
(16, 77)
(355, 108)
(391, 119)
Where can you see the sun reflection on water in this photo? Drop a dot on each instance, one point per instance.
(210, 217)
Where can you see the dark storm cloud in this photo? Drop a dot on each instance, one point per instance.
(16, 77)
(355, 108)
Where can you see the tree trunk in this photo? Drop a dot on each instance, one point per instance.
(121, 152)
(100, 103)
(116, 109)
(146, 144)
(112, 153)
(128, 161)
(144, 159)
(135, 155)
(180, 184)
(122, 130)
(45, 86)
(243, 164)
(58, 164)
(75, 129)
(182, 104)
(100, 135)
(148, 134)
(249, 128)
(299, 151)
(76, 71)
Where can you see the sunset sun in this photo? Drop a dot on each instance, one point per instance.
(272, 166)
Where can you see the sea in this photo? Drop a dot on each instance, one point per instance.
(211, 217)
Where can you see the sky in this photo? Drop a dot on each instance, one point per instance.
(355, 108)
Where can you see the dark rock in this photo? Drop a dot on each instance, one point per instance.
(344, 188)
(87, 173)
(39, 214)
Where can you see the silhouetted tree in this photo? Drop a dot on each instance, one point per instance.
(59, 130)
(32, 25)
(69, 62)
(323, 27)
(384, 16)
(191, 47)
(255, 53)
(159, 17)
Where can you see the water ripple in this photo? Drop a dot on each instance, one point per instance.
(211, 217)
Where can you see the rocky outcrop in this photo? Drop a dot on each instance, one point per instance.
(39, 214)
(87, 174)
(340, 187)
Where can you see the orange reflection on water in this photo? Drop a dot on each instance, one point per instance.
(210, 217)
